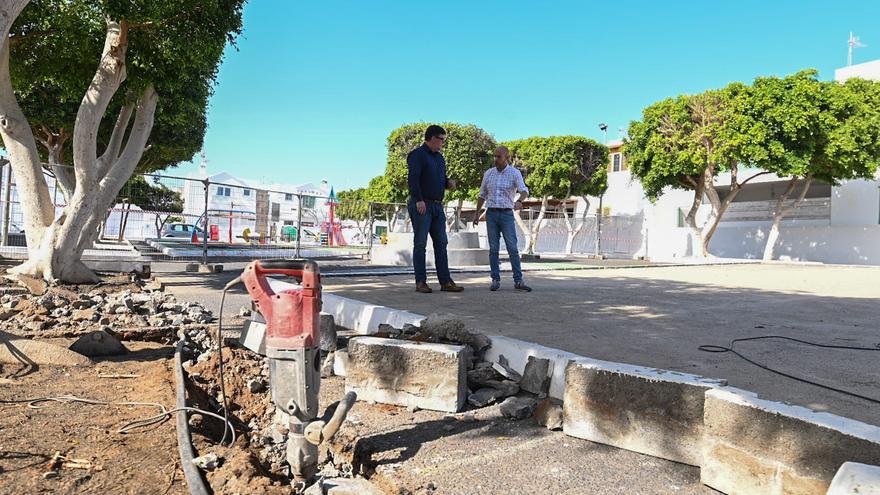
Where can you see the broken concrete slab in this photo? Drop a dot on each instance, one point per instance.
(548, 413)
(754, 445)
(484, 396)
(854, 478)
(452, 329)
(536, 376)
(517, 407)
(340, 362)
(429, 376)
(328, 332)
(503, 368)
(18, 350)
(98, 343)
(646, 410)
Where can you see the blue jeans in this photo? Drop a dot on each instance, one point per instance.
(501, 223)
(433, 222)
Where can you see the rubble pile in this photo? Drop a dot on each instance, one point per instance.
(129, 314)
(518, 395)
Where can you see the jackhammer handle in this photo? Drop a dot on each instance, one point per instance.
(292, 268)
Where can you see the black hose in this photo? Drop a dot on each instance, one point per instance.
(721, 348)
(184, 441)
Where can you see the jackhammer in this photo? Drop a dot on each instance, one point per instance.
(292, 345)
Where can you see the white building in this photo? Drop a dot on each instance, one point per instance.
(835, 224)
(236, 204)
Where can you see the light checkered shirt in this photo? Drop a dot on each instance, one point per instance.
(499, 188)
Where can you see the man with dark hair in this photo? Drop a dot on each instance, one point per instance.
(427, 185)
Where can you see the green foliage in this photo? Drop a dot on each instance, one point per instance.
(561, 166)
(793, 127)
(151, 197)
(676, 140)
(176, 45)
(380, 190)
(353, 205)
(468, 151)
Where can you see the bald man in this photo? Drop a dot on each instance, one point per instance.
(500, 185)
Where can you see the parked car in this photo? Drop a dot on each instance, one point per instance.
(180, 230)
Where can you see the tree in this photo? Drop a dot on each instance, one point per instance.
(468, 151)
(809, 130)
(560, 167)
(157, 199)
(684, 143)
(155, 70)
(353, 205)
(386, 198)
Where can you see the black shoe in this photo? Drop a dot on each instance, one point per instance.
(496, 284)
(521, 286)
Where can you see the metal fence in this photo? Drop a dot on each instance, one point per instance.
(168, 217)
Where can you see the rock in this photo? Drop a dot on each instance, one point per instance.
(277, 433)
(452, 329)
(505, 370)
(480, 376)
(327, 367)
(244, 312)
(7, 314)
(328, 333)
(196, 420)
(103, 320)
(548, 413)
(84, 314)
(506, 387)
(36, 326)
(207, 462)
(484, 396)
(35, 286)
(350, 486)
(536, 376)
(18, 350)
(121, 310)
(50, 475)
(256, 386)
(140, 298)
(98, 343)
(517, 407)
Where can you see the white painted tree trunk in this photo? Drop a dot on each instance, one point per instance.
(536, 226)
(55, 246)
(570, 227)
(780, 212)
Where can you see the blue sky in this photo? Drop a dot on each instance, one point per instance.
(316, 87)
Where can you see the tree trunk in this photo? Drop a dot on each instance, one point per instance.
(523, 227)
(780, 212)
(55, 247)
(572, 230)
(536, 227)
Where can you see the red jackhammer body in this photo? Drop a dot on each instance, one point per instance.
(292, 346)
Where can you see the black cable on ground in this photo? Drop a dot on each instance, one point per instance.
(719, 348)
(184, 441)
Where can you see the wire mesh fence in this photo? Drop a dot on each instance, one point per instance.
(166, 217)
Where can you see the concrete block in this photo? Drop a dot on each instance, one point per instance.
(518, 351)
(328, 332)
(536, 376)
(853, 478)
(428, 376)
(753, 445)
(646, 410)
(340, 362)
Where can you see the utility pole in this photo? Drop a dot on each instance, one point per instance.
(604, 128)
(854, 42)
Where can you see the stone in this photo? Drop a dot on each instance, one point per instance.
(256, 386)
(517, 407)
(506, 371)
(452, 329)
(244, 312)
(35, 286)
(327, 365)
(430, 376)
(328, 332)
(646, 410)
(484, 396)
(84, 314)
(536, 376)
(506, 387)
(548, 413)
(22, 351)
(855, 478)
(350, 486)
(340, 362)
(98, 343)
(480, 375)
(207, 462)
(754, 445)
(140, 298)
(7, 314)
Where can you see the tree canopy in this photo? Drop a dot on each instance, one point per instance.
(561, 166)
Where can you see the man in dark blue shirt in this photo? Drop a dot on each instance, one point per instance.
(427, 185)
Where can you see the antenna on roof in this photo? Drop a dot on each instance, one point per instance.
(854, 42)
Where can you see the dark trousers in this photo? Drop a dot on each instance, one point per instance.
(433, 222)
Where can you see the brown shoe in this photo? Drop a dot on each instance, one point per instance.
(451, 287)
(423, 288)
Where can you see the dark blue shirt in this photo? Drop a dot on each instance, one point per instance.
(427, 174)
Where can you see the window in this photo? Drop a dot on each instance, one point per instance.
(308, 201)
(224, 191)
(616, 162)
(247, 192)
(288, 197)
(288, 222)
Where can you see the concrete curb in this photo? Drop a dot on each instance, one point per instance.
(785, 460)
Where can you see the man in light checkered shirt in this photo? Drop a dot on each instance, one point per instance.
(499, 187)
